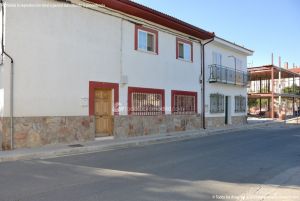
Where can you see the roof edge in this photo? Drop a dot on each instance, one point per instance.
(146, 13)
(238, 47)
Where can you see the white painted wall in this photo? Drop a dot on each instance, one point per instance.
(58, 51)
(225, 89)
(162, 71)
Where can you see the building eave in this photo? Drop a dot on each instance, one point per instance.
(146, 13)
(233, 46)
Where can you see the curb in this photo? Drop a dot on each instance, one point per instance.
(165, 138)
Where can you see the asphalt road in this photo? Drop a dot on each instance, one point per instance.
(251, 165)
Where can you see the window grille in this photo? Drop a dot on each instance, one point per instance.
(146, 104)
(184, 104)
(240, 104)
(216, 103)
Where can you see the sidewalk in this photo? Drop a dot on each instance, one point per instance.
(104, 144)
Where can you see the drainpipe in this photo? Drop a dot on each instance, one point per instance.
(203, 79)
(11, 80)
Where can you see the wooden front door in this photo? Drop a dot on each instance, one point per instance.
(103, 112)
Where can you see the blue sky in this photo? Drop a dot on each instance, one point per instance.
(264, 26)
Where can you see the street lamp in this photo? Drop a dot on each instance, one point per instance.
(234, 58)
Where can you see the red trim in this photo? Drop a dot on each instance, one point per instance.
(139, 27)
(187, 42)
(138, 10)
(145, 90)
(103, 85)
(183, 93)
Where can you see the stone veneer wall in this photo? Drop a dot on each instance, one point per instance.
(39, 131)
(127, 126)
(239, 120)
(218, 122)
(215, 122)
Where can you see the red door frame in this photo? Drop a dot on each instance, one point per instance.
(103, 85)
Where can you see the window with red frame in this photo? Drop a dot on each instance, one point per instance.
(146, 39)
(184, 102)
(184, 50)
(145, 102)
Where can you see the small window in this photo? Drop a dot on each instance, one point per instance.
(217, 59)
(240, 104)
(146, 39)
(184, 50)
(184, 102)
(216, 103)
(145, 102)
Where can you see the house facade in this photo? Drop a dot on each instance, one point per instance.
(112, 68)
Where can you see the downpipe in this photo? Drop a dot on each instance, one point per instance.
(203, 80)
(4, 53)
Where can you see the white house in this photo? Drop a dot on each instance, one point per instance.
(86, 69)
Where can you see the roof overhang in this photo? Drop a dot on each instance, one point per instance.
(140, 11)
(265, 72)
(234, 47)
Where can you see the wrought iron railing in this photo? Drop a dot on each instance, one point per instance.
(226, 75)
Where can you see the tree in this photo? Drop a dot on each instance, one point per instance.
(292, 89)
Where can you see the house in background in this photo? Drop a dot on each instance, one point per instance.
(99, 68)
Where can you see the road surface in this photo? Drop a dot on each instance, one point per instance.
(258, 164)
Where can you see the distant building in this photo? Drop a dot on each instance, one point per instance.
(273, 92)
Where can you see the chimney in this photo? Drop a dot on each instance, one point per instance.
(279, 61)
(286, 65)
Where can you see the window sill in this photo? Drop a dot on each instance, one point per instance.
(148, 52)
(183, 60)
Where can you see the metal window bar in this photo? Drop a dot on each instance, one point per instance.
(184, 104)
(217, 103)
(240, 104)
(146, 104)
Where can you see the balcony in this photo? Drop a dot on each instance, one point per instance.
(226, 75)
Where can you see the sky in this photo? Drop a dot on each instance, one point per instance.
(265, 26)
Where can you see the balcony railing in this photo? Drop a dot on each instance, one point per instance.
(288, 90)
(226, 75)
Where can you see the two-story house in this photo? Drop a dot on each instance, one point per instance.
(75, 70)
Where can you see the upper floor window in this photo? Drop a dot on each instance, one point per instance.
(184, 50)
(217, 58)
(146, 39)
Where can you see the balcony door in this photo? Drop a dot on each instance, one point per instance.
(217, 58)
